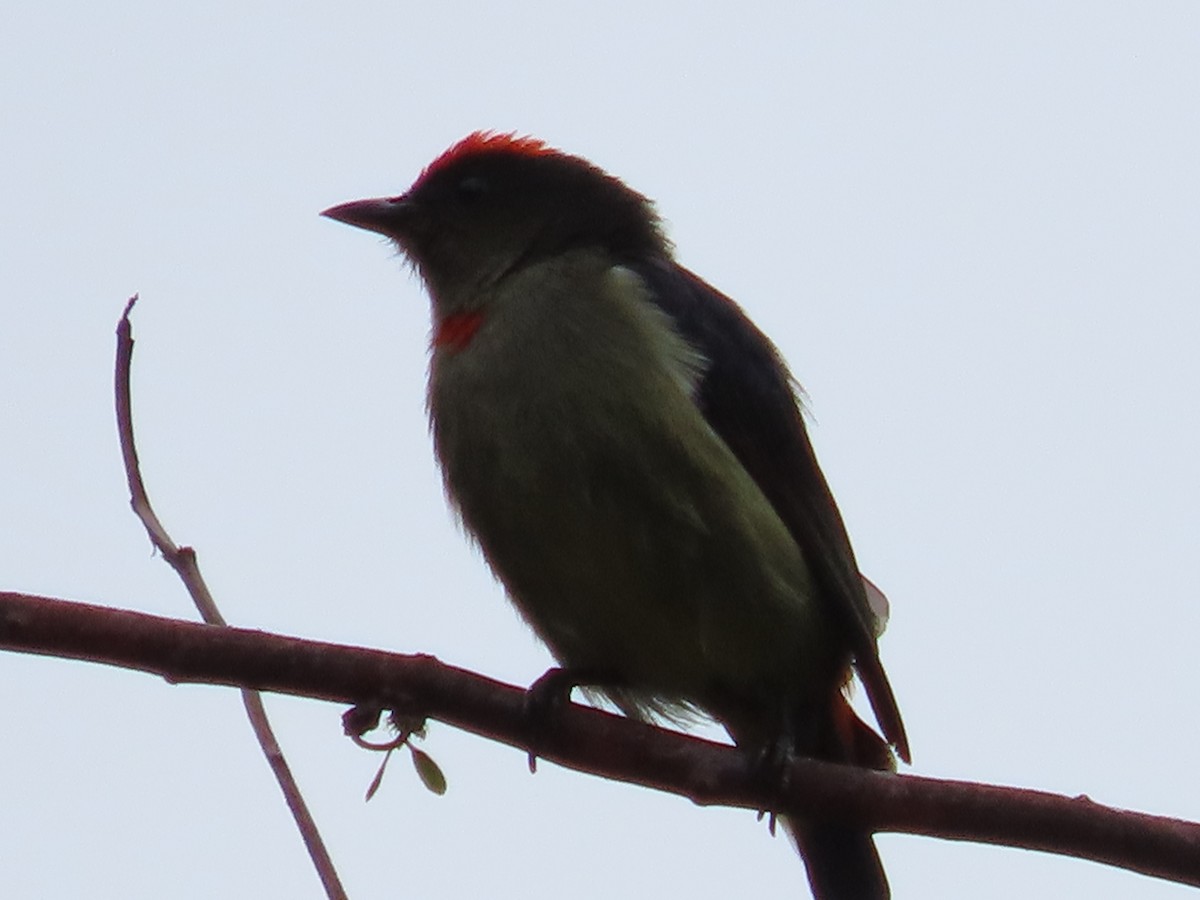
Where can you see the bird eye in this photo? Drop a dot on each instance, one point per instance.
(472, 189)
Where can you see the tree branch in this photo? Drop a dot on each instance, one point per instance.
(594, 741)
(183, 561)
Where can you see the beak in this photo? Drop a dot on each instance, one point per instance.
(389, 216)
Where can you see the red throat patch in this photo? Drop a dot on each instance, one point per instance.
(454, 332)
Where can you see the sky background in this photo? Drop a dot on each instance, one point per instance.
(973, 229)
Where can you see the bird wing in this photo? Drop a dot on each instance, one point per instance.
(749, 399)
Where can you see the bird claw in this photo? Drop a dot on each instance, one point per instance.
(769, 767)
(543, 698)
(546, 696)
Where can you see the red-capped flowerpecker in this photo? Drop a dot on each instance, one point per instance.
(629, 451)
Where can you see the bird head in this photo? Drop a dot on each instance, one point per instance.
(494, 203)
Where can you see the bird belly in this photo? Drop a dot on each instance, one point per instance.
(624, 529)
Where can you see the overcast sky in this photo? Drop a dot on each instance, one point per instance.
(973, 229)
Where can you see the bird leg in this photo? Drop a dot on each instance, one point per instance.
(546, 696)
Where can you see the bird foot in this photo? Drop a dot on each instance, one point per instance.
(769, 767)
(547, 696)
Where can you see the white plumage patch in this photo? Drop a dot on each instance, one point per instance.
(688, 364)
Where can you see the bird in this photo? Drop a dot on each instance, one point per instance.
(629, 452)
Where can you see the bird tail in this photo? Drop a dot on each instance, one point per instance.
(842, 861)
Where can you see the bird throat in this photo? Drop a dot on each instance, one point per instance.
(454, 331)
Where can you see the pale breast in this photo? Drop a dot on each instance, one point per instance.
(624, 529)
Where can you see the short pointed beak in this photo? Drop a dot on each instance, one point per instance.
(389, 216)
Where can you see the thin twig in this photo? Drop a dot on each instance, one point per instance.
(183, 561)
(600, 743)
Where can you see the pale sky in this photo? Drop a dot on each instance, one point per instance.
(973, 229)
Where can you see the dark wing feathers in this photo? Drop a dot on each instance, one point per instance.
(747, 396)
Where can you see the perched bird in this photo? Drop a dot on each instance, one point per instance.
(629, 452)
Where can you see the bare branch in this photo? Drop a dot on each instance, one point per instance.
(601, 743)
(183, 561)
